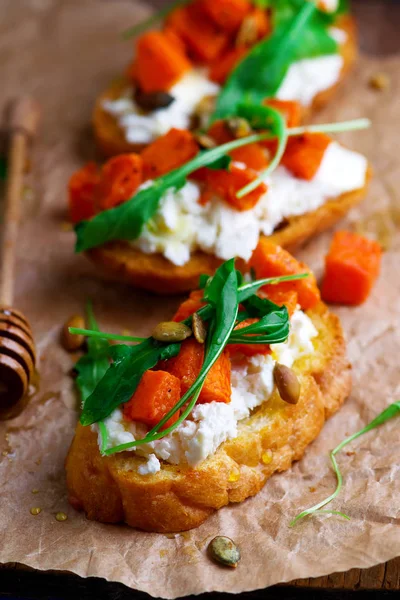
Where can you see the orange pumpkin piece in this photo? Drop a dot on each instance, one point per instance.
(281, 297)
(224, 65)
(290, 109)
(304, 154)
(254, 156)
(159, 62)
(120, 178)
(270, 260)
(247, 349)
(189, 306)
(202, 39)
(226, 14)
(220, 133)
(226, 184)
(168, 152)
(187, 364)
(156, 394)
(81, 191)
(351, 268)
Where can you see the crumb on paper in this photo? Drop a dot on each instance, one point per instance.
(66, 226)
(379, 81)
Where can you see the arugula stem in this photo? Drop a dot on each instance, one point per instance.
(353, 125)
(391, 411)
(104, 436)
(104, 336)
(247, 290)
(158, 16)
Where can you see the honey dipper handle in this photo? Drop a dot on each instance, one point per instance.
(23, 118)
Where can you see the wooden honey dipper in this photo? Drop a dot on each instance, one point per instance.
(17, 348)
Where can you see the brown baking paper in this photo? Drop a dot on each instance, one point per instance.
(65, 52)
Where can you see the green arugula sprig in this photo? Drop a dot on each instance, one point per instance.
(92, 366)
(391, 411)
(152, 20)
(126, 221)
(260, 74)
(223, 293)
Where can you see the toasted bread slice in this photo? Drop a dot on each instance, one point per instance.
(110, 138)
(121, 262)
(177, 498)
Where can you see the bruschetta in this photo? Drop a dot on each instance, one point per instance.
(199, 224)
(153, 461)
(179, 72)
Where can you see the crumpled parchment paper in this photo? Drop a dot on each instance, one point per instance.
(65, 52)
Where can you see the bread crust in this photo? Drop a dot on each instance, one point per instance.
(110, 139)
(177, 498)
(119, 261)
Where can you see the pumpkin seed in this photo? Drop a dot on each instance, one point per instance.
(287, 383)
(224, 550)
(170, 331)
(379, 81)
(239, 127)
(153, 100)
(70, 341)
(203, 111)
(199, 328)
(247, 34)
(204, 140)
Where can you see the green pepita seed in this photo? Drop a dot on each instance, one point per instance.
(204, 140)
(239, 127)
(224, 550)
(199, 328)
(287, 383)
(169, 331)
(153, 100)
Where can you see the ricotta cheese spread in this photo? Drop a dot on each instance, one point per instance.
(182, 225)
(308, 77)
(211, 424)
(141, 128)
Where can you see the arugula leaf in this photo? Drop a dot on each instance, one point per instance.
(282, 10)
(221, 163)
(122, 377)
(93, 365)
(158, 16)
(261, 72)
(272, 327)
(203, 280)
(393, 410)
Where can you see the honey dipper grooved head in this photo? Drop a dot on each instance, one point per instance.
(17, 361)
